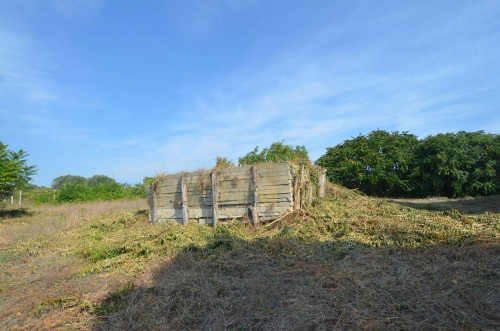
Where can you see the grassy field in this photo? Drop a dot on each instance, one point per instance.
(348, 262)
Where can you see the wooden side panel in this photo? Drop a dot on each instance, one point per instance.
(234, 192)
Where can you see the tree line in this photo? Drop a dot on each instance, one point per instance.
(381, 163)
(73, 188)
(395, 164)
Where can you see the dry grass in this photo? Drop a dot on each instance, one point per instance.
(349, 262)
(21, 223)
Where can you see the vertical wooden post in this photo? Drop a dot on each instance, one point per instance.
(322, 182)
(20, 196)
(302, 194)
(215, 199)
(310, 193)
(152, 197)
(11, 199)
(185, 214)
(296, 195)
(255, 213)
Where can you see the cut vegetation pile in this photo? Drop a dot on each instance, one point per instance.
(348, 262)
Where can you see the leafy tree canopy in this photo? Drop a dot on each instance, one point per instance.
(398, 164)
(379, 163)
(58, 182)
(277, 152)
(457, 164)
(14, 171)
(98, 179)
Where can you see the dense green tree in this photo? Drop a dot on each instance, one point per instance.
(277, 152)
(14, 171)
(398, 164)
(58, 182)
(98, 179)
(455, 165)
(377, 164)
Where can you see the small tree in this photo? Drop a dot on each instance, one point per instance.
(60, 181)
(14, 171)
(277, 152)
(98, 179)
(223, 162)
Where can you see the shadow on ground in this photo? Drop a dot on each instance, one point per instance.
(15, 213)
(281, 284)
(467, 206)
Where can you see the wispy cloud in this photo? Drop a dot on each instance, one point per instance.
(200, 17)
(78, 9)
(32, 100)
(23, 69)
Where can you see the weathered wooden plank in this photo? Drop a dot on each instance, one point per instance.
(246, 175)
(191, 186)
(242, 194)
(239, 212)
(242, 197)
(249, 202)
(215, 198)
(249, 196)
(275, 189)
(248, 183)
(178, 203)
(185, 214)
(192, 195)
(262, 169)
(224, 212)
(205, 183)
(177, 213)
(255, 186)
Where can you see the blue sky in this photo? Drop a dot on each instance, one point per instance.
(135, 88)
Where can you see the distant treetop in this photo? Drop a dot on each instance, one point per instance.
(277, 152)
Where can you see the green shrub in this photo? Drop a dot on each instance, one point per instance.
(71, 192)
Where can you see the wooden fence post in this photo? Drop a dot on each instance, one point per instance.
(255, 213)
(322, 182)
(152, 198)
(152, 213)
(215, 199)
(20, 197)
(185, 214)
(296, 191)
(310, 193)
